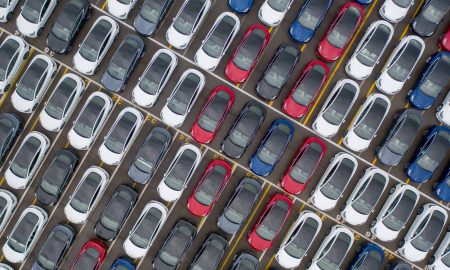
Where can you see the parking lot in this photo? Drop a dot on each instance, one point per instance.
(244, 92)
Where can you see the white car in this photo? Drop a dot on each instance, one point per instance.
(395, 213)
(440, 259)
(331, 186)
(176, 177)
(443, 111)
(120, 8)
(121, 136)
(217, 41)
(4, 266)
(369, 50)
(8, 202)
(273, 11)
(13, 52)
(6, 11)
(90, 120)
(95, 45)
(27, 160)
(186, 22)
(33, 84)
(400, 64)
(145, 230)
(25, 234)
(87, 194)
(365, 196)
(33, 17)
(183, 98)
(336, 107)
(298, 240)
(424, 232)
(394, 11)
(156, 75)
(62, 102)
(367, 121)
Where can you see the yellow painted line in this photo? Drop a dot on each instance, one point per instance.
(441, 124)
(34, 123)
(405, 31)
(270, 29)
(133, 185)
(101, 164)
(341, 140)
(170, 46)
(2, 257)
(67, 221)
(408, 181)
(202, 221)
(86, 82)
(104, 5)
(2, 181)
(202, 147)
(418, 8)
(439, 49)
(34, 201)
(270, 262)
(238, 85)
(407, 105)
(374, 161)
(370, 89)
(323, 217)
(135, 261)
(301, 207)
(66, 145)
(303, 47)
(65, 71)
(233, 167)
(168, 205)
(270, 103)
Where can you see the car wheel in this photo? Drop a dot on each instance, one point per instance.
(25, 56)
(431, 260)
(392, 190)
(39, 32)
(34, 107)
(373, 223)
(6, 88)
(9, 16)
(401, 243)
(420, 210)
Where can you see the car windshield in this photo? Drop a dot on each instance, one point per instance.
(117, 140)
(61, 31)
(4, 3)
(302, 238)
(51, 251)
(7, 52)
(397, 217)
(82, 199)
(312, 14)
(343, 29)
(59, 101)
(437, 78)
(181, 170)
(402, 3)
(246, 126)
(23, 233)
(123, 58)
(155, 75)
(340, 105)
(334, 184)
(55, 174)
(306, 163)
(116, 211)
(23, 160)
(86, 122)
(309, 85)
(241, 204)
(32, 10)
(428, 232)
(185, 93)
(336, 253)
(278, 72)
(151, 10)
(405, 61)
(3, 208)
(436, 152)
(210, 256)
(371, 51)
(371, 261)
(274, 146)
(175, 247)
(146, 229)
(92, 44)
(214, 111)
(278, 5)
(248, 52)
(371, 119)
(211, 185)
(434, 12)
(446, 258)
(151, 152)
(186, 20)
(87, 260)
(219, 38)
(404, 136)
(27, 87)
(272, 221)
(369, 194)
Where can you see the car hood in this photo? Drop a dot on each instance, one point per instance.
(77, 141)
(321, 202)
(388, 85)
(112, 84)
(13, 256)
(158, 264)
(241, 6)
(327, 51)
(143, 99)
(420, 100)
(176, 39)
(74, 216)
(257, 242)
(394, 12)
(25, 27)
(417, 174)
(36, 266)
(170, 118)
(137, 175)
(227, 226)
(353, 217)
(357, 70)
(21, 104)
(412, 254)
(201, 135)
(83, 65)
(166, 193)
(387, 157)
(232, 150)
(103, 232)
(57, 45)
(48, 122)
(144, 27)
(266, 90)
(291, 186)
(258, 167)
(234, 73)
(270, 16)
(383, 233)
(205, 61)
(443, 192)
(197, 208)
(423, 27)
(109, 157)
(285, 260)
(293, 109)
(324, 128)
(354, 142)
(14, 181)
(300, 33)
(44, 197)
(132, 250)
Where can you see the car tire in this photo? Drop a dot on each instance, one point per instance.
(431, 260)
(392, 190)
(9, 16)
(6, 88)
(373, 223)
(34, 107)
(25, 56)
(39, 32)
(420, 210)
(401, 243)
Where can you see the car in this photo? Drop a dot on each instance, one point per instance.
(429, 17)
(62, 102)
(216, 43)
(308, 20)
(271, 147)
(271, 12)
(155, 76)
(394, 11)
(400, 137)
(429, 155)
(214, 111)
(240, 6)
(148, 225)
(210, 253)
(14, 51)
(25, 234)
(54, 249)
(439, 260)
(86, 195)
(367, 121)
(334, 181)
(304, 92)
(179, 172)
(247, 54)
(95, 45)
(120, 9)
(441, 189)
(370, 256)
(150, 16)
(364, 2)
(369, 50)
(116, 212)
(243, 130)
(400, 65)
(298, 240)
(33, 84)
(6, 11)
(123, 263)
(396, 211)
(8, 203)
(67, 25)
(423, 233)
(150, 155)
(33, 16)
(443, 111)
(10, 128)
(90, 256)
(186, 23)
(365, 196)
(303, 165)
(209, 187)
(336, 108)
(121, 136)
(239, 206)
(27, 160)
(443, 41)
(270, 222)
(175, 246)
(90, 120)
(245, 261)
(431, 82)
(340, 32)
(333, 249)
(278, 71)
(183, 98)
(399, 265)
(56, 177)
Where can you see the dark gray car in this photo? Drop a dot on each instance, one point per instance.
(150, 15)
(245, 261)
(430, 16)
(210, 253)
(10, 127)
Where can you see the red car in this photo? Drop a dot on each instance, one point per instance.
(340, 32)
(270, 222)
(90, 257)
(208, 189)
(302, 166)
(305, 90)
(248, 52)
(212, 115)
(444, 42)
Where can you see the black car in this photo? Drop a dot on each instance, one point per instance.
(210, 253)
(244, 129)
(278, 72)
(116, 212)
(430, 16)
(55, 248)
(245, 261)
(67, 25)
(150, 15)
(123, 63)
(10, 127)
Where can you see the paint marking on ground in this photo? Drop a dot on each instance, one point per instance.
(104, 5)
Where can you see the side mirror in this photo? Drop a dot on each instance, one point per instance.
(21, 8)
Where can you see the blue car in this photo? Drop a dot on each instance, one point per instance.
(442, 188)
(364, 2)
(241, 6)
(431, 82)
(122, 264)
(272, 147)
(429, 155)
(369, 256)
(308, 20)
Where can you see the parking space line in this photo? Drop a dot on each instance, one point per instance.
(407, 105)
(302, 206)
(34, 201)
(262, 255)
(407, 181)
(303, 47)
(2, 181)
(270, 103)
(374, 161)
(270, 262)
(34, 124)
(104, 4)
(101, 164)
(201, 223)
(341, 140)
